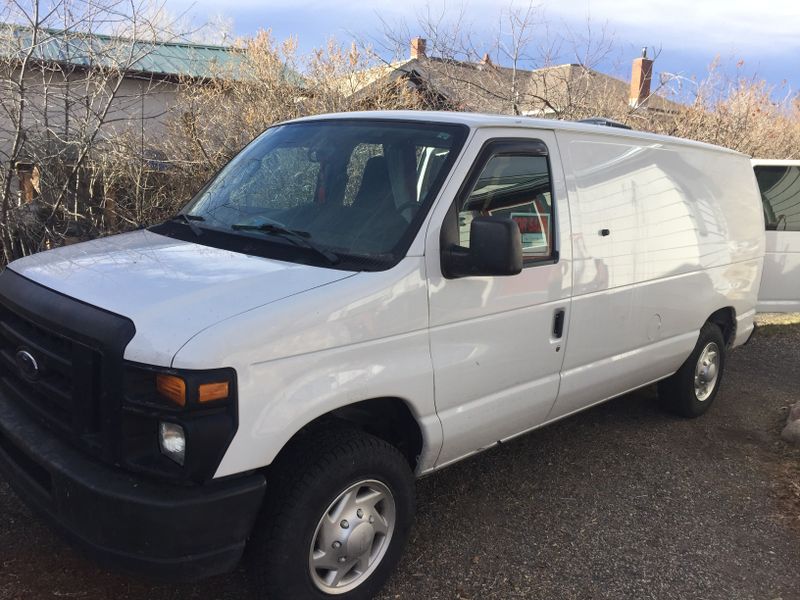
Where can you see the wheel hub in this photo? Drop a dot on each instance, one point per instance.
(352, 537)
(706, 372)
(360, 540)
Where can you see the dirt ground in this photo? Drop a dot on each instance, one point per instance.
(621, 501)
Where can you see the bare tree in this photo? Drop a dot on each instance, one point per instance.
(742, 113)
(62, 80)
(73, 163)
(271, 83)
(527, 65)
(522, 67)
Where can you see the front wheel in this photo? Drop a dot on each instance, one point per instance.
(337, 521)
(692, 389)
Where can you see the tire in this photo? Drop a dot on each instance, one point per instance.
(681, 393)
(302, 489)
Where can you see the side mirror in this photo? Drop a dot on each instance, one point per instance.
(495, 248)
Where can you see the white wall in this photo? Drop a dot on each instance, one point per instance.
(63, 104)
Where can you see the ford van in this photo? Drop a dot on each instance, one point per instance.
(353, 301)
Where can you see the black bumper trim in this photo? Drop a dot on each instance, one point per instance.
(123, 521)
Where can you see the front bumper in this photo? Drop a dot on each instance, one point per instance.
(124, 521)
(751, 334)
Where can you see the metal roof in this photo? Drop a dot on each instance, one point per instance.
(164, 59)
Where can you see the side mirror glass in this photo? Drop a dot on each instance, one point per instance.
(495, 248)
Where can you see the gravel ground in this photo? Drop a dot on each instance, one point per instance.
(622, 501)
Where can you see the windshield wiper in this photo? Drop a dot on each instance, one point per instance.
(189, 220)
(299, 238)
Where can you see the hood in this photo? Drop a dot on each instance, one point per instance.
(170, 289)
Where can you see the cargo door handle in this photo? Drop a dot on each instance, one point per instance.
(558, 323)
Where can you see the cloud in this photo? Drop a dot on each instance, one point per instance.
(711, 25)
(690, 33)
(715, 25)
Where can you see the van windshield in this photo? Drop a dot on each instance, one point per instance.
(344, 193)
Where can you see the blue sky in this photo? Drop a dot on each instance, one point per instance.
(763, 37)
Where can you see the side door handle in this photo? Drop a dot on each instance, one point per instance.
(558, 323)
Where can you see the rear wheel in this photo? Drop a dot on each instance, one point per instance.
(692, 389)
(338, 518)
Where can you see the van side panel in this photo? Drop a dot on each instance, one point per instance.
(780, 283)
(302, 357)
(684, 240)
(779, 181)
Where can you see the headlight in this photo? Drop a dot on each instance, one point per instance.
(172, 441)
(177, 423)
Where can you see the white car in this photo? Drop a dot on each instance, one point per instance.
(353, 301)
(779, 182)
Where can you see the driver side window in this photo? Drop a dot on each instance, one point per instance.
(517, 187)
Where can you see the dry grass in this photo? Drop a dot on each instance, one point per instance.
(772, 324)
(778, 319)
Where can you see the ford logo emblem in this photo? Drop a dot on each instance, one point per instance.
(27, 365)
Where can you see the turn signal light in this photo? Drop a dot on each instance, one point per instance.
(172, 388)
(208, 392)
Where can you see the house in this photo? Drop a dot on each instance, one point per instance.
(72, 79)
(560, 91)
(77, 89)
(63, 93)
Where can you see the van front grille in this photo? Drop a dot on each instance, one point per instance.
(55, 377)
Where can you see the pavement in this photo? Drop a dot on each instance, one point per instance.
(621, 501)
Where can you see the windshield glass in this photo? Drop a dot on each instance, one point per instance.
(334, 191)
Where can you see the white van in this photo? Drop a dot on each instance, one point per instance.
(354, 300)
(779, 182)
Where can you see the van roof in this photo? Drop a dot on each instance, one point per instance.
(481, 120)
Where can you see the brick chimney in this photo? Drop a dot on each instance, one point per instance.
(641, 73)
(418, 47)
